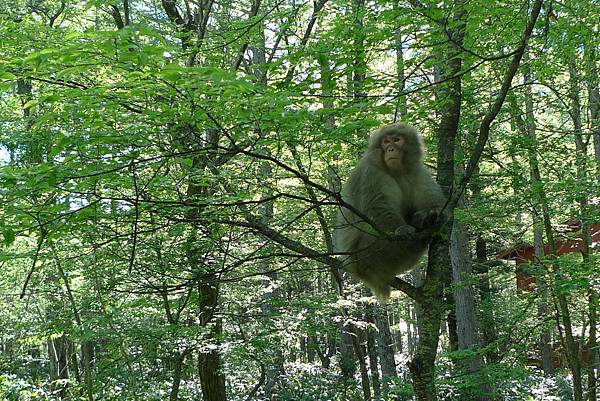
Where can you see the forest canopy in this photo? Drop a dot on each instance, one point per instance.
(170, 173)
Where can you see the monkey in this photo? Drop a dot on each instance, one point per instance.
(393, 189)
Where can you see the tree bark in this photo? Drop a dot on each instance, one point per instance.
(58, 352)
(347, 359)
(358, 345)
(385, 343)
(372, 351)
(431, 294)
(464, 301)
(593, 89)
(177, 369)
(210, 368)
(482, 269)
(580, 161)
(402, 104)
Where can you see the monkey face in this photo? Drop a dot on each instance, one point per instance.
(392, 146)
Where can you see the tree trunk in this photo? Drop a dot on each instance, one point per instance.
(359, 66)
(347, 359)
(311, 347)
(466, 319)
(58, 352)
(541, 200)
(360, 352)
(274, 365)
(210, 369)
(177, 369)
(212, 378)
(373, 350)
(412, 331)
(451, 325)
(402, 105)
(488, 323)
(581, 155)
(527, 127)
(594, 353)
(431, 300)
(385, 343)
(593, 90)
(422, 366)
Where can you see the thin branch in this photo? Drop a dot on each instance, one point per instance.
(484, 128)
(253, 13)
(35, 259)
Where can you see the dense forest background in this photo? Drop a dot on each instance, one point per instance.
(170, 170)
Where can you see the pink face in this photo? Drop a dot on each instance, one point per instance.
(392, 151)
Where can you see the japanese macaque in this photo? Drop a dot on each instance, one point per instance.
(395, 194)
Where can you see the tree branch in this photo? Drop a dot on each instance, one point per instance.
(484, 128)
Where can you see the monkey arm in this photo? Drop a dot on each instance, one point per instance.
(383, 200)
(427, 200)
(427, 194)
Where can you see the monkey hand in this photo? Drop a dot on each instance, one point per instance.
(426, 218)
(404, 231)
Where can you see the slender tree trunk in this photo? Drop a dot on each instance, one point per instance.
(422, 366)
(87, 346)
(373, 351)
(397, 333)
(177, 369)
(212, 378)
(538, 228)
(562, 302)
(412, 333)
(538, 246)
(58, 351)
(593, 89)
(311, 347)
(593, 365)
(402, 105)
(488, 321)
(482, 269)
(385, 343)
(581, 150)
(465, 302)
(274, 368)
(527, 128)
(347, 356)
(210, 367)
(360, 352)
(545, 339)
(359, 67)
(452, 324)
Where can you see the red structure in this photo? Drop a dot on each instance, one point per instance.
(569, 243)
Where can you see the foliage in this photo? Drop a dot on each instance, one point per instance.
(168, 187)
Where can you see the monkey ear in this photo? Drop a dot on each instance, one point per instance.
(375, 139)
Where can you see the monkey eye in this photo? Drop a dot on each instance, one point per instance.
(390, 139)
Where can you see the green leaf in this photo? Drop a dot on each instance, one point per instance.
(31, 104)
(7, 76)
(9, 235)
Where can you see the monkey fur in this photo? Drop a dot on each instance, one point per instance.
(391, 187)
